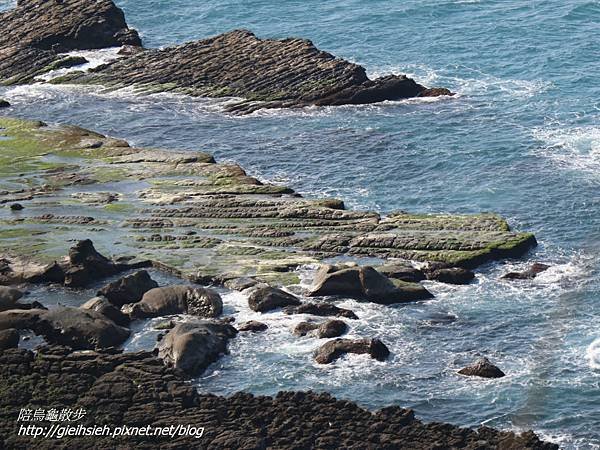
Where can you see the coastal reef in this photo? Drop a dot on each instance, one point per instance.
(259, 73)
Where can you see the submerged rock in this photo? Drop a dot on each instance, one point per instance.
(320, 309)
(365, 283)
(482, 368)
(17, 207)
(4, 103)
(252, 325)
(239, 284)
(193, 346)
(179, 299)
(334, 349)
(77, 328)
(529, 274)
(104, 307)
(268, 298)
(129, 289)
(9, 338)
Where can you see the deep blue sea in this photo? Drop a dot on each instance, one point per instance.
(521, 138)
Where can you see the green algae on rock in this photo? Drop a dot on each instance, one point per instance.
(202, 220)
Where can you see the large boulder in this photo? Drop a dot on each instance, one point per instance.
(104, 307)
(334, 349)
(128, 289)
(86, 265)
(74, 327)
(365, 283)
(9, 297)
(178, 299)
(320, 309)
(482, 368)
(267, 298)
(529, 274)
(9, 338)
(193, 346)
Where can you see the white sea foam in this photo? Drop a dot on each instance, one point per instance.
(472, 82)
(593, 354)
(95, 58)
(575, 148)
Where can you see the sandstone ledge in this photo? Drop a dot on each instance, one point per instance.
(202, 220)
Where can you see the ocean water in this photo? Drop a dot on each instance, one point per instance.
(521, 138)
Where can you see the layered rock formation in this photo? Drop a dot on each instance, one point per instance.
(136, 389)
(36, 32)
(200, 220)
(267, 73)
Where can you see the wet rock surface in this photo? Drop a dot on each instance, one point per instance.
(136, 389)
(482, 368)
(193, 346)
(9, 338)
(328, 329)
(129, 289)
(451, 275)
(104, 307)
(265, 299)
(529, 274)
(179, 299)
(252, 325)
(9, 297)
(336, 348)
(365, 283)
(320, 309)
(80, 329)
(4, 103)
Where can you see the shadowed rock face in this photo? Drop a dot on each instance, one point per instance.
(135, 389)
(36, 31)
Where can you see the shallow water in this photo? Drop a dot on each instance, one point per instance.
(522, 138)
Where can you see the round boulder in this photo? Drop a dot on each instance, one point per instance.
(268, 298)
(482, 368)
(178, 299)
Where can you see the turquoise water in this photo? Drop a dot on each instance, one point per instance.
(521, 138)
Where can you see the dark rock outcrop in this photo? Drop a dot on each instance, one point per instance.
(77, 328)
(267, 298)
(129, 289)
(482, 368)
(403, 272)
(4, 103)
(529, 274)
(9, 338)
(320, 309)
(252, 325)
(267, 73)
(239, 284)
(17, 207)
(193, 346)
(328, 329)
(36, 32)
(179, 299)
(365, 283)
(336, 348)
(138, 390)
(451, 275)
(104, 307)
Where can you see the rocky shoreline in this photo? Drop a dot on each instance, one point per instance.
(78, 207)
(209, 223)
(265, 73)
